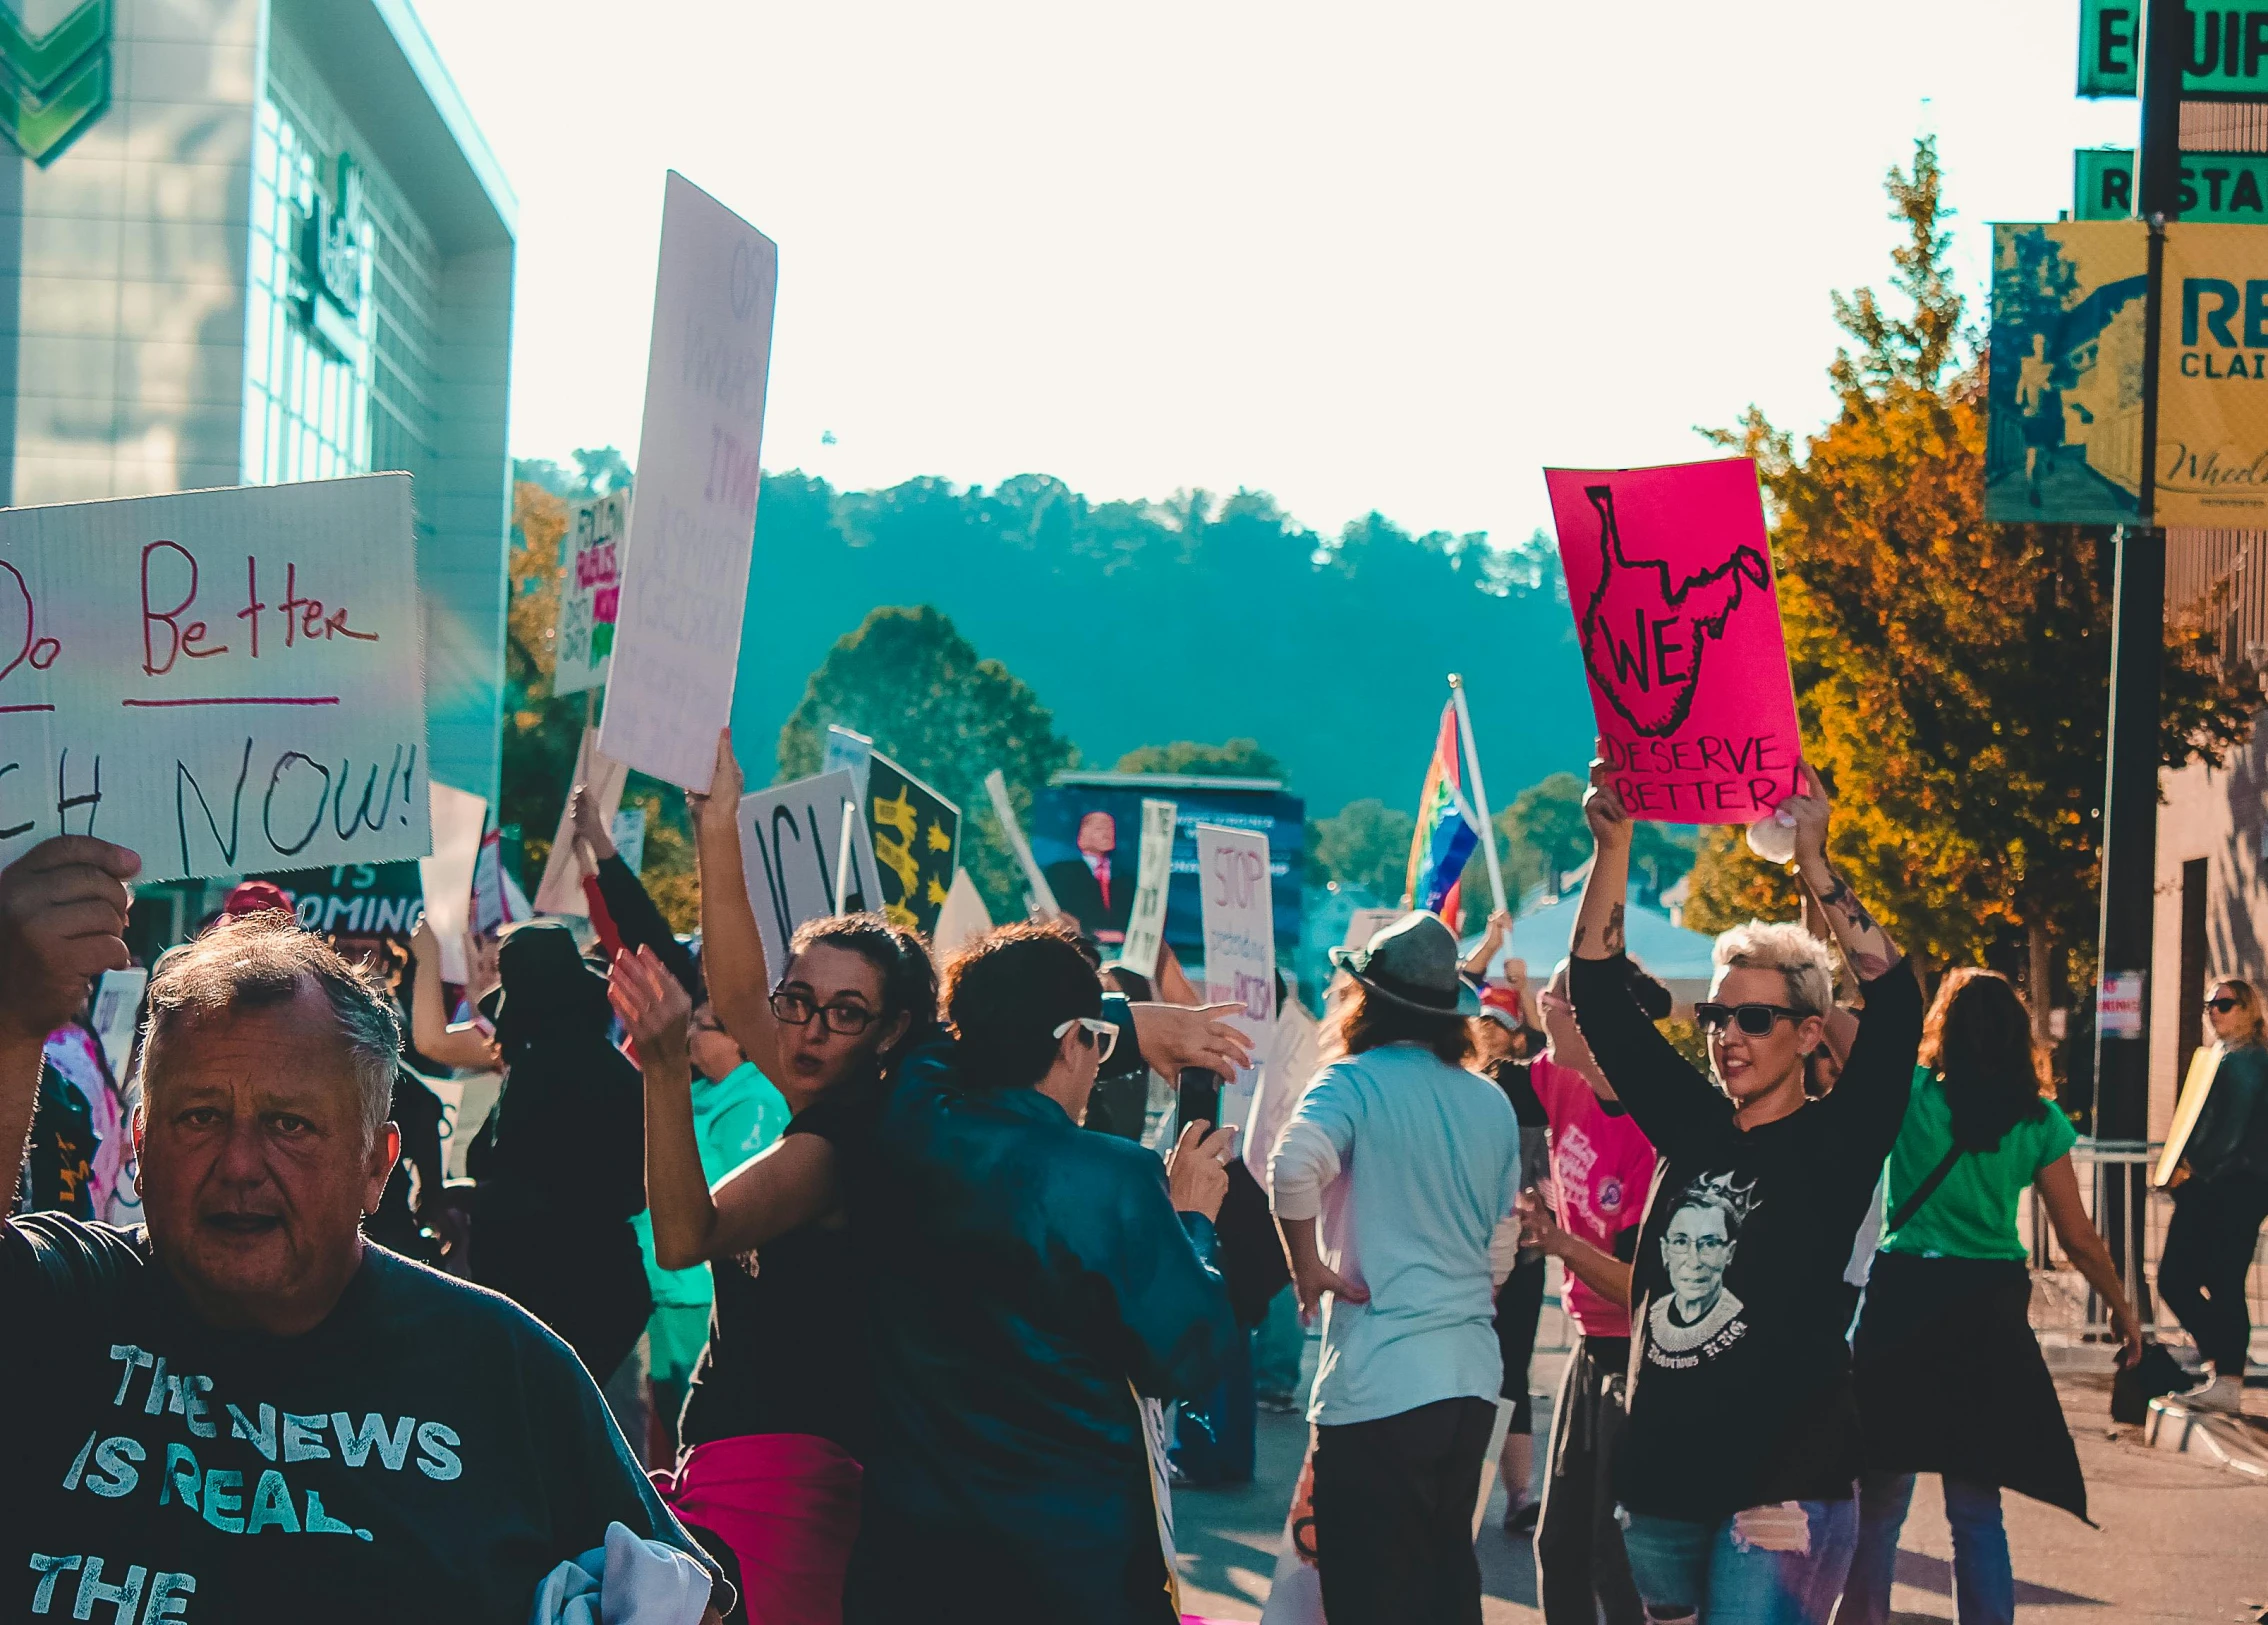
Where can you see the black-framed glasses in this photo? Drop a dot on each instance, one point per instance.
(1753, 1019)
(1101, 1035)
(798, 1009)
(2223, 1005)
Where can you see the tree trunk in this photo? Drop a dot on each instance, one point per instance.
(2039, 976)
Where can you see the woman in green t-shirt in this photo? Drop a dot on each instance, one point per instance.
(1949, 1375)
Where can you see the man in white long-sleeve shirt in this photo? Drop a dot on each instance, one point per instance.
(1407, 1163)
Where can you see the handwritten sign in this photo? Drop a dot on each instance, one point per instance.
(1153, 879)
(1670, 575)
(692, 529)
(790, 838)
(1240, 945)
(590, 592)
(225, 681)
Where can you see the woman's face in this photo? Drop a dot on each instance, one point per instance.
(1697, 1249)
(2232, 1025)
(825, 978)
(1749, 1065)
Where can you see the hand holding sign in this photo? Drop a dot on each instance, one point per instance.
(62, 922)
(1670, 574)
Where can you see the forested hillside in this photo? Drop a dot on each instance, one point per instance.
(1186, 619)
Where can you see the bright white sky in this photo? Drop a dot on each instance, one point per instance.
(1361, 256)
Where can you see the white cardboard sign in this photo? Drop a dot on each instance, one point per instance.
(1240, 945)
(1145, 923)
(790, 838)
(692, 528)
(590, 591)
(226, 681)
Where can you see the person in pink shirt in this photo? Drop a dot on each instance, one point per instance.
(1602, 1169)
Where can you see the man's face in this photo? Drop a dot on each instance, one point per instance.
(1098, 834)
(255, 1168)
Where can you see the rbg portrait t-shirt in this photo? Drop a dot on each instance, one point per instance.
(429, 1452)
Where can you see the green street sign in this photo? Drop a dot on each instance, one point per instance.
(53, 85)
(2228, 52)
(2225, 187)
(2110, 48)
(2102, 183)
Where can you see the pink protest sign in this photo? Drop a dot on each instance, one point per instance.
(1670, 576)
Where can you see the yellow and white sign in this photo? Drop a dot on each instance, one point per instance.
(2213, 377)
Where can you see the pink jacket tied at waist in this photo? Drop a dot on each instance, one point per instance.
(787, 1505)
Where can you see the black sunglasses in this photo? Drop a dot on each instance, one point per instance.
(1754, 1019)
(2223, 1005)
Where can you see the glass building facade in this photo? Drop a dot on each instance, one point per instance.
(279, 251)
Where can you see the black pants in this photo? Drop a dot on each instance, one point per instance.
(1394, 1515)
(1579, 1553)
(1519, 1306)
(2208, 1255)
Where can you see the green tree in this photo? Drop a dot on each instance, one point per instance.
(1951, 675)
(1238, 759)
(1364, 845)
(911, 683)
(1546, 820)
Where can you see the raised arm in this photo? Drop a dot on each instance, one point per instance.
(788, 1185)
(1499, 927)
(732, 948)
(1864, 943)
(62, 922)
(463, 1045)
(636, 920)
(1599, 932)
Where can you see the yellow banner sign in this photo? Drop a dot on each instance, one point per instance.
(2213, 377)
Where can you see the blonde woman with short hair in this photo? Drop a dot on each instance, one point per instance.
(1736, 1472)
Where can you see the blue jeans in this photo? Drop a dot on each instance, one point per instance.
(1699, 1571)
(1984, 1580)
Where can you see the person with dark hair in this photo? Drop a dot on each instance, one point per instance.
(1602, 1166)
(778, 1409)
(1949, 1375)
(1392, 1179)
(349, 1436)
(1519, 1297)
(1738, 1467)
(563, 1171)
(1033, 1284)
(2221, 1200)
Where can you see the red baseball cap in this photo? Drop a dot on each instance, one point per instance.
(257, 897)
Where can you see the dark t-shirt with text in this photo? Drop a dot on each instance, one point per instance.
(1740, 1389)
(429, 1452)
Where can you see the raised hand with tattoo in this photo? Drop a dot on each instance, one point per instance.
(1599, 922)
(1865, 944)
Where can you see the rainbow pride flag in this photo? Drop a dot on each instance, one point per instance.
(1447, 831)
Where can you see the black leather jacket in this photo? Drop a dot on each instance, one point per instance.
(2230, 1141)
(1029, 1277)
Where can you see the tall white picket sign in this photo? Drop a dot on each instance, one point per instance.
(692, 525)
(226, 681)
(1153, 879)
(790, 841)
(1240, 946)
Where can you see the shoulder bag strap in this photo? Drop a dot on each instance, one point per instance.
(1924, 1191)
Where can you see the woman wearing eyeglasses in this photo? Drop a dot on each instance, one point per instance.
(1737, 1469)
(1950, 1379)
(775, 1419)
(2219, 1207)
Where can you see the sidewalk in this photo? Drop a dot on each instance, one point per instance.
(2179, 1538)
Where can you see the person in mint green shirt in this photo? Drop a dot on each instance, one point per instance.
(1948, 1374)
(736, 1113)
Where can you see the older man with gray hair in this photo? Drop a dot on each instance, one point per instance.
(244, 1410)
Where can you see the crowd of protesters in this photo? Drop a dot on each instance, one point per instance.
(908, 1328)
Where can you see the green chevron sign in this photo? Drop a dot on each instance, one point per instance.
(53, 85)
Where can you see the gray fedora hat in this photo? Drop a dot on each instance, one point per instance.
(1412, 963)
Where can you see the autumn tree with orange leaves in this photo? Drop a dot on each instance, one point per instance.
(1952, 675)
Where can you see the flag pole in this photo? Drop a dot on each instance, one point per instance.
(1480, 791)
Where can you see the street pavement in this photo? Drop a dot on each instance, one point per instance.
(2179, 1538)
